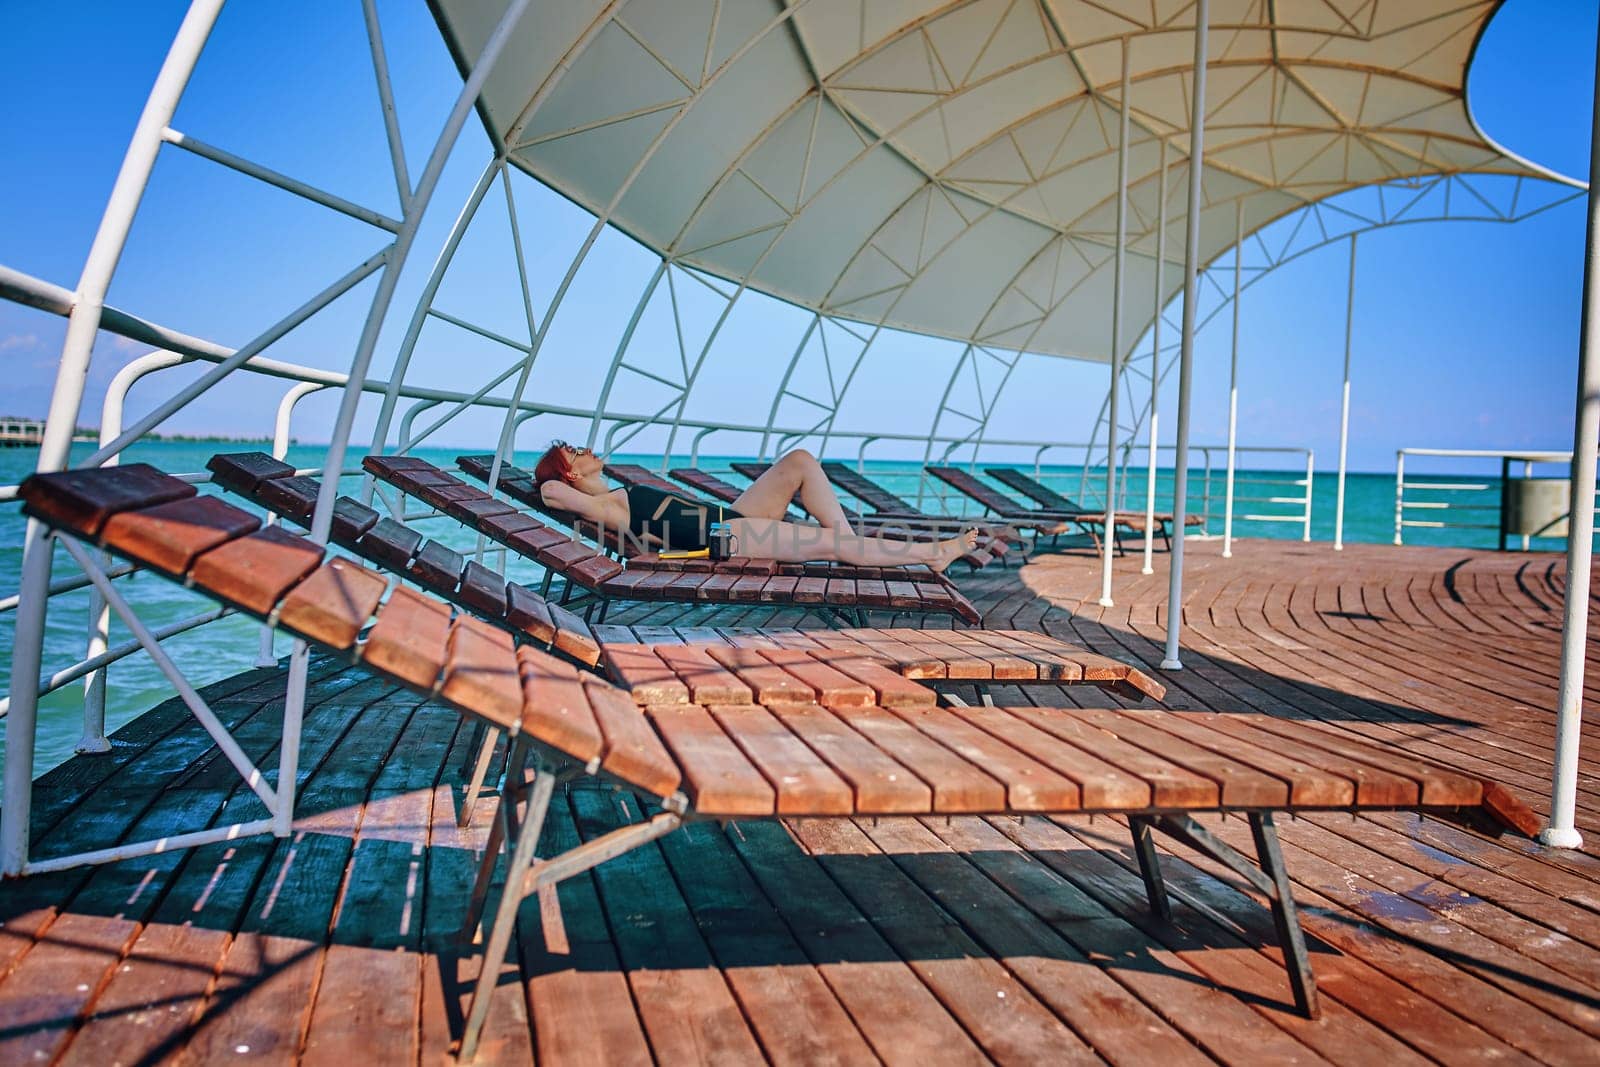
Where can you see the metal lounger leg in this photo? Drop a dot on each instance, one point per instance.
(511, 898)
(471, 758)
(1272, 880)
(488, 740)
(1155, 888)
(1290, 937)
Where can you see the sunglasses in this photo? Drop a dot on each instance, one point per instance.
(576, 450)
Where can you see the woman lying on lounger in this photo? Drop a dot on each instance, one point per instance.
(571, 479)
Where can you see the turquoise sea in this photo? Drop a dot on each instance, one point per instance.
(230, 645)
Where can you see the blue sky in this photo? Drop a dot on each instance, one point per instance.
(1465, 335)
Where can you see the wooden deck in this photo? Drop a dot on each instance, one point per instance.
(915, 941)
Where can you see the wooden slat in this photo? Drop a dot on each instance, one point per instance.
(954, 784)
(649, 680)
(882, 785)
(438, 567)
(633, 751)
(573, 636)
(1439, 786)
(1311, 783)
(295, 496)
(717, 776)
(408, 640)
(527, 611)
(555, 706)
(707, 680)
(81, 501)
(480, 672)
(1171, 786)
(1101, 786)
(1240, 786)
(889, 689)
(334, 603)
(243, 471)
(804, 783)
(1030, 785)
(389, 544)
(169, 536)
(833, 688)
(255, 571)
(351, 519)
(770, 684)
(483, 590)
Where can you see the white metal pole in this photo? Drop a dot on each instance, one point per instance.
(93, 741)
(1344, 403)
(1155, 369)
(65, 402)
(339, 439)
(1108, 542)
(266, 655)
(1191, 253)
(1233, 385)
(1561, 833)
(1399, 493)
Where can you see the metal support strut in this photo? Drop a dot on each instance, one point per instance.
(1271, 879)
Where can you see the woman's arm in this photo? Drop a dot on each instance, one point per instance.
(601, 510)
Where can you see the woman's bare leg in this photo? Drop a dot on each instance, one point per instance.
(789, 542)
(796, 472)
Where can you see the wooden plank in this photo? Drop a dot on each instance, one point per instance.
(1311, 782)
(409, 638)
(437, 567)
(256, 571)
(1030, 785)
(243, 471)
(1171, 786)
(334, 603)
(955, 785)
(769, 683)
(480, 672)
(82, 500)
(1240, 785)
(483, 590)
(641, 671)
(882, 785)
(527, 611)
(633, 751)
(169, 536)
(889, 689)
(573, 636)
(707, 680)
(555, 706)
(717, 776)
(1101, 786)
(389, 544)
(1438, 786)
(803, 782)
(833, 688)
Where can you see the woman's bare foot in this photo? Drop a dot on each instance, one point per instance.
(954, 549)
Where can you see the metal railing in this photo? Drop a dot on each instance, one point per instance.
(1468, 503)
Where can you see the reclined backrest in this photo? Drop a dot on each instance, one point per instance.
(403, 551)
(989, 497)
(866, 490)
(1032, 488)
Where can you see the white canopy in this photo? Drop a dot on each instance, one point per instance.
(950, 168)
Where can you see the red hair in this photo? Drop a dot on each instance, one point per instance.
(553, 465)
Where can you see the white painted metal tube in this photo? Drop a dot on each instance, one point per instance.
(94, 683)
(266, 656)
(1109, 541)
(1233, 384)
(211, 377)
(1191, 252)
(107, 656)
(391, 119)
(1155, 369)
(196, 704)
(66, 400)
(1344, 403)
(1562, 833)
(1399, 493)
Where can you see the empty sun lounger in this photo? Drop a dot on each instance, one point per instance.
(402, 551)
(1047, 497)
(827, 589)
(1002, 507)
(752, 760)
(653, 662)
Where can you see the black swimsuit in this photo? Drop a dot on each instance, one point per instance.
(680, 524)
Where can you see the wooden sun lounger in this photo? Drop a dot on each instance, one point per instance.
(1047, 497)
(824, 588)
(753, 760)
(400, 550)
(993, 542)
(1041, 520)
(668, 663)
